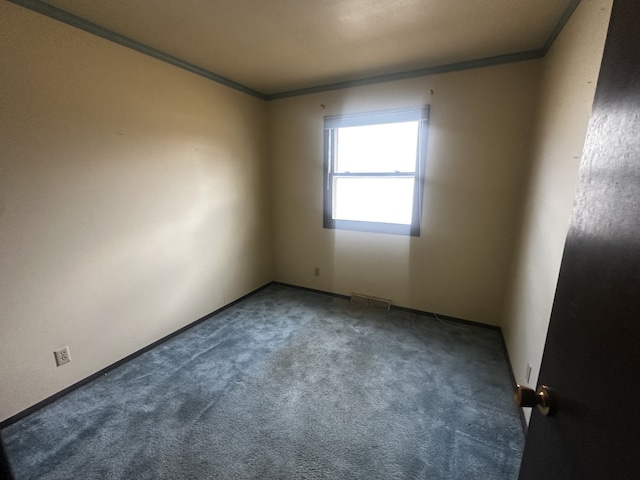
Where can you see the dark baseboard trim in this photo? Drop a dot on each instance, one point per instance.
(396, 307)
(448, 318)
(28, 411)
(312, 290)
(523, 419)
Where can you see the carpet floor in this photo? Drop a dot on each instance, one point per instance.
(288, 384)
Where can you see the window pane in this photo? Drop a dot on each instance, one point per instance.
(389, 147)
(373, 199)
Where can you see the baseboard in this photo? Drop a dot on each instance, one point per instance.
(396, 307)
(514, 383)
(313, 290)
(28, 411)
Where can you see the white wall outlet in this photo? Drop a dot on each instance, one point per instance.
(527, 374)
(316, 271)
(62, 356)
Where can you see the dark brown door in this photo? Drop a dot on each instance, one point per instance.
(592, 355)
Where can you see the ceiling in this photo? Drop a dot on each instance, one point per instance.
(275, 47)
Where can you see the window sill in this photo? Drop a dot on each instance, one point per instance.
(372, 227)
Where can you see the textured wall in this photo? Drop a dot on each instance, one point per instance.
(478, 146)
(570, 74)
(133, 200)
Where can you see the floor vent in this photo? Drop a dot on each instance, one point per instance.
(369, 301)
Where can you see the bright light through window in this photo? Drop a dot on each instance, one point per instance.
(371, 199)
(389, 147)
(386, 148)
(374, 164)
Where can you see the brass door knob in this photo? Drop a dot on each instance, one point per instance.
(541, 398)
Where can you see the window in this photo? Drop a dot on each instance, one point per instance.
(374, 170)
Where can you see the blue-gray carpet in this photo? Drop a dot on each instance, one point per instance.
(288, 384)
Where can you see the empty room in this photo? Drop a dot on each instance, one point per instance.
(291, 239)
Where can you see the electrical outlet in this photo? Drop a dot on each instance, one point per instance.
(527, 374)
(62, 356)
(316, 271)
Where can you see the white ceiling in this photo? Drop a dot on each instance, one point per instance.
(276, 46)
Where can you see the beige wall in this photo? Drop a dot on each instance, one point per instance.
(570, 73)
(133, 200)
(480, 128)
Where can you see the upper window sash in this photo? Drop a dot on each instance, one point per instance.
(375, 118)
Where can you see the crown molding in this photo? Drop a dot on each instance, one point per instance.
(90, 27)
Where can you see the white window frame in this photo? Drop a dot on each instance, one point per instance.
(332, 124)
